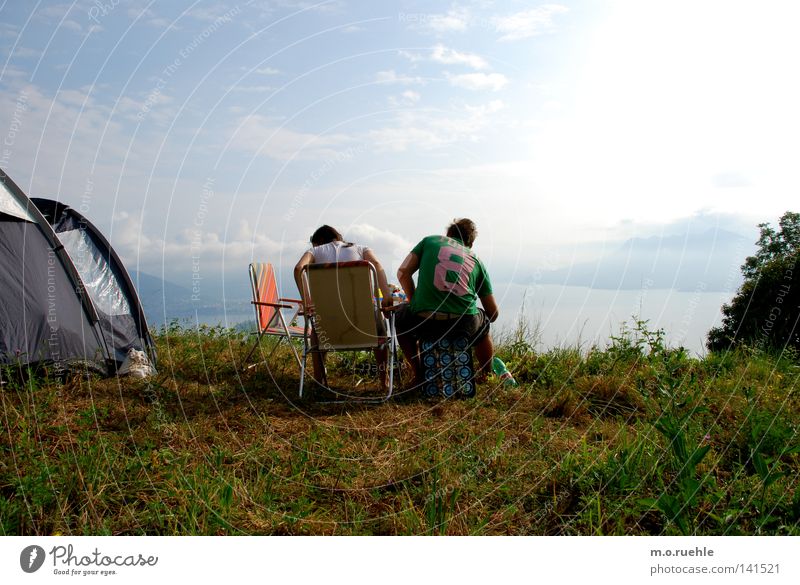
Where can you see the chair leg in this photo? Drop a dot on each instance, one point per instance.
(289, 338)
(303, 371)
(392, 354)
(258, 341)
(307, 328)
(318, 363)
(275, 347)
(304, 366)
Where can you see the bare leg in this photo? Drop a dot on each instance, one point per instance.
(381, 359)
(484, 352)
(411, 352)
(318, 362)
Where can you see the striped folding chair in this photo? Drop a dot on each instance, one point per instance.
(346, 316)
(269, 308)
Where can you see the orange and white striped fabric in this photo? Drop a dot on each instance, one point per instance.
(265, 290)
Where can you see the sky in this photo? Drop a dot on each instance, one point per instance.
(203, 135)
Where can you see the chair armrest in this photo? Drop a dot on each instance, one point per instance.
(298, 301)
(277, 305)
(299, 306)
(391, 309)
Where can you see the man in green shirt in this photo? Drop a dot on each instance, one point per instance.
(444, 300)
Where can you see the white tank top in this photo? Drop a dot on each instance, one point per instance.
(337, 252)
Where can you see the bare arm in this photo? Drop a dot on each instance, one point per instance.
(404, 274)
(382, 282)
(490, 306)
(305, 260)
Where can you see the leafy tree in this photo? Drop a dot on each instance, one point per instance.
(765, 312)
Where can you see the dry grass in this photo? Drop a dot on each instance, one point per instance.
(209, 447)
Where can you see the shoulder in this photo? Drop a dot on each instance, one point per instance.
(317, 249)
(329, 248)
(477, 259)
(422, 245)
(429, 241)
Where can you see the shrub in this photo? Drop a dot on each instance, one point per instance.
(766, 309)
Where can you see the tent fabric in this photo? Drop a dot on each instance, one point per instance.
(96, 273)
(10, 206)
(41, 315)
(44, 316)
(104, 278)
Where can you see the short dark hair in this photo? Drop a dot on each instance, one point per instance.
(325, 235)
(463, 230)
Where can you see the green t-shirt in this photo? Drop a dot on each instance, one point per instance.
(451, 278)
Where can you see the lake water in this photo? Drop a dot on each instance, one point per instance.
(565, 315)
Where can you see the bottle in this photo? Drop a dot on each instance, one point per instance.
(398, 296)
(500, 369)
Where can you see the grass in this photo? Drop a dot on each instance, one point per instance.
(634, 438)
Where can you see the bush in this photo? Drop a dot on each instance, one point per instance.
(765, 311)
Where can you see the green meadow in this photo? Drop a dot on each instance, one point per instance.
(635, 438)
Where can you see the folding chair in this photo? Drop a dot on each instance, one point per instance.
(345, 314)
(269, 306)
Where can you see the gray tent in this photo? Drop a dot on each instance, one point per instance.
(65, 298)
(104, 278)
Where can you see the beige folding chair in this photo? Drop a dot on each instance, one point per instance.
(345, 315)
(269, 307)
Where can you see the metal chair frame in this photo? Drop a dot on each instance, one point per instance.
(277, 324)
(311, 324)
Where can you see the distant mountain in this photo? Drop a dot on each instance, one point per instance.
(704, 261)
(162, 300)
(165, 301)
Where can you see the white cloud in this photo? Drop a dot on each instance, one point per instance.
(478, 81)
(386, 244)
(25, 53)
(267, 71)
(490, 108)
(160, 23)
(55, 11)
(8, 31)
(401, 137)
(528, 23)
(413, 57)
(209, 248)
(73, 97)
(71, 25)
(406, 99)
(456, 20)
(207, 12)
(70, 131)
(432, 129)
(12, 73)
(330, 6)
(250, 88)
(140, 12)
(261, 135)
(446, 56)
(391, 76)
(128, 105)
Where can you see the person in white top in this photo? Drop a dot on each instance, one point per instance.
(328, 246)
